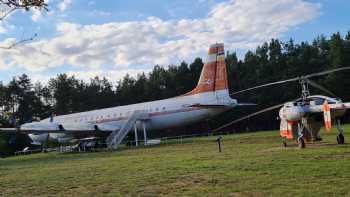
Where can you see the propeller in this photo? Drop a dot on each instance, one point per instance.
(295, 79)
(249, 116)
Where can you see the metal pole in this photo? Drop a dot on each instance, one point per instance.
(136, 137)
(219, 142)
(144, 132)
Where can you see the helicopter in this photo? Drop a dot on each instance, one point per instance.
(302, 118)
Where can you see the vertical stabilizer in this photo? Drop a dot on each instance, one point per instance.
(214, 73)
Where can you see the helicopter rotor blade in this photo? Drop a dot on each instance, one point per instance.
(315, 85)
(327, 72)
(249, 116)
(266, 85)
(293, 79)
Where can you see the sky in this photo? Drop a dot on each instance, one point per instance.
(110, 38)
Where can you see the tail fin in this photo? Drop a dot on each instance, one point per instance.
(214, 73)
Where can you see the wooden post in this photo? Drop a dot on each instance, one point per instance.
(136, 137)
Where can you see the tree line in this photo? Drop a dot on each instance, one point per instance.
(22, 101)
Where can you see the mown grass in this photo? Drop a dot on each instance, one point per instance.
(253, 164)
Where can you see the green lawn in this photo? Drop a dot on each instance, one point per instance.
(253, 164)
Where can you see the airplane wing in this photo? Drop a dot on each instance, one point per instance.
(38, 132)
(71, 129)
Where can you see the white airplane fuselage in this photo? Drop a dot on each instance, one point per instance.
(209, 98)
(163, 114)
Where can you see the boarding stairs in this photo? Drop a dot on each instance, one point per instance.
(117, 136)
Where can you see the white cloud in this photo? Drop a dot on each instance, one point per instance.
(239, 24)
(2, 29)
(63, 6)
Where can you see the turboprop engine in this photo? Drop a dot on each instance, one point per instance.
(52, 131)
(38, 139)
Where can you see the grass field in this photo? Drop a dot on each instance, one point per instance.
(253, 164)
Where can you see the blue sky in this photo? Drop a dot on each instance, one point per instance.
(110, 38)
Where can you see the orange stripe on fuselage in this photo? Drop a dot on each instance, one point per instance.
(150, 114)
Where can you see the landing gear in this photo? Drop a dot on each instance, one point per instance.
(301, 142)
(340, 137)
(284, 144)
(284, 141)
(317, 139)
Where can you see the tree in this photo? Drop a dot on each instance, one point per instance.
(63, 90)
(23, 101)
(43, 101)
(12, 5)
(232, 67)
(141, 88)
(99, 93)
(126, 91)
(9, 6)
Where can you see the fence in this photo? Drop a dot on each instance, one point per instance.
(129, 144)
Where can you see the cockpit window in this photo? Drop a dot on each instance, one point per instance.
(319, 101)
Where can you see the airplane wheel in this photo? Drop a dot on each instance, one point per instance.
(284, 144)
(284, 141)
(301, 143)
(340, 139)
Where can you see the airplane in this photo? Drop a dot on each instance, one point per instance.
(302, 118)
(209, 98)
